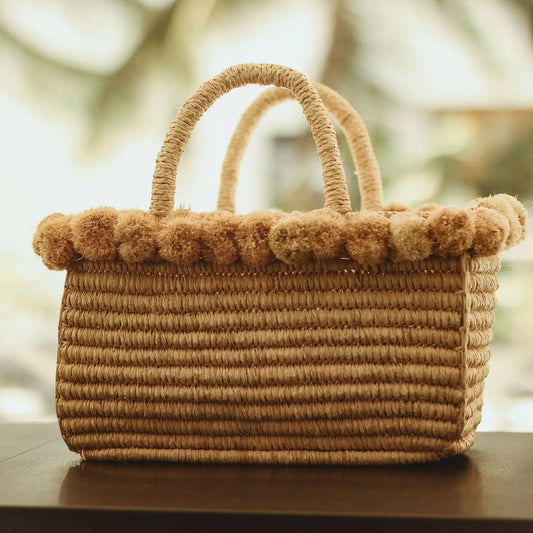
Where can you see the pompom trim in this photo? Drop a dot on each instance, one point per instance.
(397, 233)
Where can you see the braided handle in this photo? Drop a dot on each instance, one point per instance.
(368, 172)
(164, 182)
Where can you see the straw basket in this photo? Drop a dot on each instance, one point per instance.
(324, 337)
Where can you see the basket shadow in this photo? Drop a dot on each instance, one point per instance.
(449, 487)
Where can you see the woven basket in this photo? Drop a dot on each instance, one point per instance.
(322, 337)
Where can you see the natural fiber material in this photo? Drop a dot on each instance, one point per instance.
(358, 139)
(164, 183)
(327, 363)
(324, 337)
(368, 237)
(399, 233)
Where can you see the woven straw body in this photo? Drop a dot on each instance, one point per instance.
(327, 362)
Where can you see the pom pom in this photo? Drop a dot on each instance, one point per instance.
(323, 231)
(53, 240)
(218, 237)
(427, 208)
(181, 212)
(38, 236)
(366, 234)
(396, 206)
(492, 231)
(94, 233)
(251, 237)
(500, 203)
(521, 213)
(179, 239)
(452, 229)
(409, 237)
(289, 240)
(136, 235)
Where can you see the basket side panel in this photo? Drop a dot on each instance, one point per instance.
(481, 285)
(329, 364)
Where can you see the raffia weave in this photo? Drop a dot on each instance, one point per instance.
(330, 363)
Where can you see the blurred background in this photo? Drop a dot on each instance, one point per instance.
(88, 88)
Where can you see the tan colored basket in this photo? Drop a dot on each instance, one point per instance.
(323, 337)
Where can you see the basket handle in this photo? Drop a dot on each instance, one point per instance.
(368, 172)
(164, 181)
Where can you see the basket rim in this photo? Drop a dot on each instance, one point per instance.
(485, 227)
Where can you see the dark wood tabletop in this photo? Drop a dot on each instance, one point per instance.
(44, 487)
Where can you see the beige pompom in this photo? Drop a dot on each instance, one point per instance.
(500, 203)
(53, 242)
(218, 237)
(179, 239)
(395, 207)
(94, 233)
(366, 234)
(323, 230)
(136, 235)
(409, 237)
(492, 231)
(251, 237)
(38, 235)
(521, 213)
(452, 229)
(427, 208)
(289, 240)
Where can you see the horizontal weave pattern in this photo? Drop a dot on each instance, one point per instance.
(325, 363)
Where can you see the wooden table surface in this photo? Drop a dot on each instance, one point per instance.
(44, 487)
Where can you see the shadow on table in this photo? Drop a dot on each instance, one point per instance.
(449, 487)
